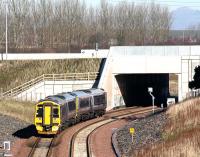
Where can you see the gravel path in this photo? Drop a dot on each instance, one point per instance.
(147, 131)
(9, 127)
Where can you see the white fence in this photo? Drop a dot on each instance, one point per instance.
(50, 77)
(46, 88)
(193, 93)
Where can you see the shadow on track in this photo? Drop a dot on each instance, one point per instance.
(26, 133)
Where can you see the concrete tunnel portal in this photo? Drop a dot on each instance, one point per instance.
(134, 88)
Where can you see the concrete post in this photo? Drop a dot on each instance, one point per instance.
(1, 92)
(43, 78)
(180, 87)
(88, 76)
(53, 77)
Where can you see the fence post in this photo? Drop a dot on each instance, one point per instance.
(53, 77)
(88, 76)
(1, 92)
(43, 78)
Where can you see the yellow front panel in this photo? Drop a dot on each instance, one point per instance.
(47, 115)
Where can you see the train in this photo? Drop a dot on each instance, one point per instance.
(56, 112)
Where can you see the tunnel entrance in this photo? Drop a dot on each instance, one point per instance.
(134, 88)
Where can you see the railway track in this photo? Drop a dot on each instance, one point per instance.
(80, 141)
(41, 147)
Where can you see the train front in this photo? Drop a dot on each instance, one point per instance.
(47, 117)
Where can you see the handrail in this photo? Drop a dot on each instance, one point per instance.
(50, 77)
(193, 93)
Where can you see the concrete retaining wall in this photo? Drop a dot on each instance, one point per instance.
(43, 89)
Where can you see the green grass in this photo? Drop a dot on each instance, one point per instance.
(17, 109)
(15, 73)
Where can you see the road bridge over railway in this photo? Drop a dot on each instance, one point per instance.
(128, 72)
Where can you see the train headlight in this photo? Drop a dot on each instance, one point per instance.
(55, 128)
(39, 128)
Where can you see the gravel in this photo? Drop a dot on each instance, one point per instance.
(147, 131)
(9, 128)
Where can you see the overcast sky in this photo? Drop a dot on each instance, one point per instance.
(172, 4)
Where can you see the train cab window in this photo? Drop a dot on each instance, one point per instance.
(85, 102)
(72, 105)
(55, 113)
(98, 100)
(39, 112)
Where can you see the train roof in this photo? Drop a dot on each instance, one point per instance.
(80, 93)
(94, 91)
(60, 98)
(54, 98)
(67, 96)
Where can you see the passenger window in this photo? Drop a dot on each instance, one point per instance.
(98, 100)
(55, 113)
(39, 112)
(84, 102)
(71, 105)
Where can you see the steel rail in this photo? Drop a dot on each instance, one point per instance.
(112, 119)
(36, 146)
(89, 150)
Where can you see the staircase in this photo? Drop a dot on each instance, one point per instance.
(12, 93)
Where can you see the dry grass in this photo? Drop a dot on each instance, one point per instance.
(183, 116)
(185, 145)
(14, 73)
(182, 133)
(17, 109)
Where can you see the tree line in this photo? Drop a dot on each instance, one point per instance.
(72, 24)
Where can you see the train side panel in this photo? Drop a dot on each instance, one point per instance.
(99, 104)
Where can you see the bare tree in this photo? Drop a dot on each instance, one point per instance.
(71, 25)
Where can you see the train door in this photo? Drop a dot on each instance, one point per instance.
(47, 115)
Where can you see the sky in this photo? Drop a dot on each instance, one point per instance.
(172, 4)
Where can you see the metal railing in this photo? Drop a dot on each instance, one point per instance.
(193, 93)
(50, 77)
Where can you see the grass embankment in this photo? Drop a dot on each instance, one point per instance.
(14, 73)
(17, 109)
(181, 134)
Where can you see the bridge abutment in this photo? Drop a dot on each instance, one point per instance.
(147, 60)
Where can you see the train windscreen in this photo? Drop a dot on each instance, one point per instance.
(39, 112)
(55, 112)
